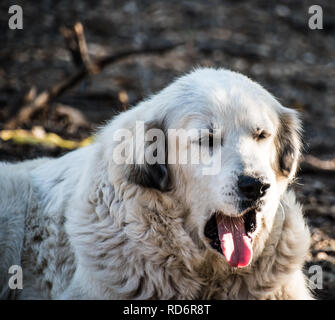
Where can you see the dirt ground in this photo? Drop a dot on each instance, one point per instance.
(265, 39)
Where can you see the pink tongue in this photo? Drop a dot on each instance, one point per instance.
(235, 243)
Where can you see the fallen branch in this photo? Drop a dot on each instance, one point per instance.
(76, 43)
(89, 67)
(75, 118)
(311, 163)
(37, 136)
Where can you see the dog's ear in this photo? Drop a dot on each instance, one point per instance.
(151, 170)
(288, 143)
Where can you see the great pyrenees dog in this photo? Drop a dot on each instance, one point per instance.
(102, 223)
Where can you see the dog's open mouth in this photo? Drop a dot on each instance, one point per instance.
(232, 237)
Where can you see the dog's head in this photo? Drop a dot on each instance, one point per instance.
(227, 150)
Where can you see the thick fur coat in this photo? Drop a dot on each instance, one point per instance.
(85, 227)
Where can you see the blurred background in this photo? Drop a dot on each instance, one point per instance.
(57, 86)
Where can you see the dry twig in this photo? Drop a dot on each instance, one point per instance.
(87, 68)
(311, 163)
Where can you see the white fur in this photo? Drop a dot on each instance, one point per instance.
(80, 229)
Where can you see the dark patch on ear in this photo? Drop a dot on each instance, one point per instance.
(152, 175)
(287, 143)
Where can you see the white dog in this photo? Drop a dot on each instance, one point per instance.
(86, 226)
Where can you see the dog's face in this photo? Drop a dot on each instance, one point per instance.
(253, 145)
(230, 204)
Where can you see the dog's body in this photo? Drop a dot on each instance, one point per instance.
(83, 226)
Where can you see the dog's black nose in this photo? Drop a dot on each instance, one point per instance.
(252, 188)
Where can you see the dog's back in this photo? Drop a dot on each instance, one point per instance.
(15, 198)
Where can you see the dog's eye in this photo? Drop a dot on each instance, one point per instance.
(261, 135)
